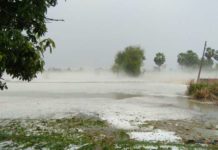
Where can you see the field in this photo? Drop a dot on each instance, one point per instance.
(74, 110)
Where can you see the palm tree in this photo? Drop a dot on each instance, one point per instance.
(209, 53)
(159, 59)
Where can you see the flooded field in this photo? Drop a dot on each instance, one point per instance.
(152, 108)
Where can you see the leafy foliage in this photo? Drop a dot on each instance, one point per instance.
(209, 54)
(188, 59)
(22, 25)
(159, 59)
(208, 63)
(129, 61)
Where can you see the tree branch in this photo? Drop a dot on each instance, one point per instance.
(51, 19)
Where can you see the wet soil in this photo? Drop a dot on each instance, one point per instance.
(191, 131)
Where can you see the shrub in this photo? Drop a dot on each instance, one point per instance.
(194, 87)
(203, 91)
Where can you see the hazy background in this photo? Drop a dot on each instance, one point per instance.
(95, 30)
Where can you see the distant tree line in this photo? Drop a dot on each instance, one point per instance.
(190, 59)
(130, 60)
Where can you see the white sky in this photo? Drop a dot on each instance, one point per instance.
(95, 30)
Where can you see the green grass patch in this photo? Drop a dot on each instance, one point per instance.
(203, 91)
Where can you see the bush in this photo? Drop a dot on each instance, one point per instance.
(203, 91)
(194, 87)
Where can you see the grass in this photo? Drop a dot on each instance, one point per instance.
(61, 134)
(203, 91)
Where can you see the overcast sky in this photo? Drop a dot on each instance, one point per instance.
(95, 30)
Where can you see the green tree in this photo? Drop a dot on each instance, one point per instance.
(159, 59)
(209, 54)
(22, 25)
(189, 59)
(181, 58)
(130, 61)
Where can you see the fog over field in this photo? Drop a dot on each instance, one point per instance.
(116, 98)
(94, 31)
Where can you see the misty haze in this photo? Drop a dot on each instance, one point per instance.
(108, 74)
